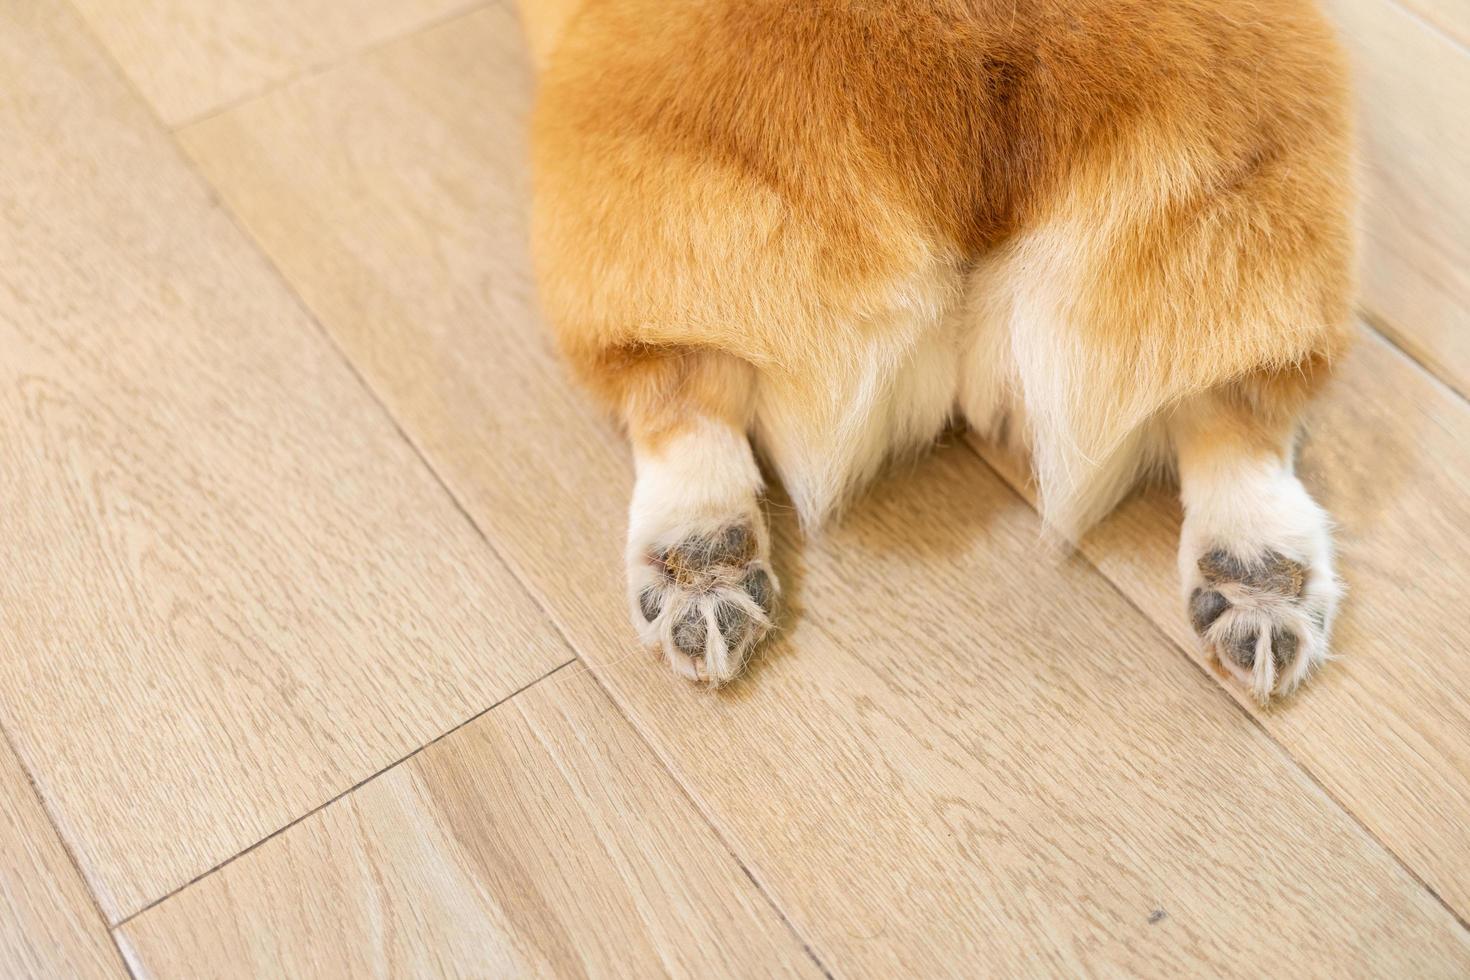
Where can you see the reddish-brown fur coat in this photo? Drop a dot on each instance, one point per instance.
(1163, 183)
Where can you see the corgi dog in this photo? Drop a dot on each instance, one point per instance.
(816, 231)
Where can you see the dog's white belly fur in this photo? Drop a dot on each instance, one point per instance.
(829, 426)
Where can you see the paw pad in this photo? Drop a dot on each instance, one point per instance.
(1257, 616)
(706, 600)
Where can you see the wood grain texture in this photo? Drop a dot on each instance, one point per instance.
(48, 924)
(189, 58)
(963, 750)
(231, 590)
(1413, 84)
(1450, 16)
(1386, 726)
(539, 840)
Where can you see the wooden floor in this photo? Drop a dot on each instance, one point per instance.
(313, 655)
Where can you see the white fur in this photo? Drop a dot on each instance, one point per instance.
(707, 473)
(886, 389)
(985, 345)
(1090, 439)
(1248, 509)
(695, 484)
(989, 393)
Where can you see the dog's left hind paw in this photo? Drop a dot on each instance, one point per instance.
(705, 601)
(1263, 615)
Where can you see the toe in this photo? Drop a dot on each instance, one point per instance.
(732, 622)
(690, 633)
(1281, 575)
(650, 603)
(1284, 647)
(760, 588)
(1205, 606)
(1241, 648)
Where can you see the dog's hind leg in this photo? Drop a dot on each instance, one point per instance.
(700, 587)
(1255, 553)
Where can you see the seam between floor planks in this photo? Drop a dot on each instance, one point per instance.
(1383, 330)
(311, 70)
(131, 89)
(346, 792)
(1429, 21)
(266, 88)
(702, 809)
(1435, 29)
(71, 856)
(115, 932)
(1235, 698)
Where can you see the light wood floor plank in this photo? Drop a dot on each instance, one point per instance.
(48, 924)
(539, 840)
(1450, 16)
(1386, 726)
(961, 751)
(1413, 86)
(231, 590)
(190, 58)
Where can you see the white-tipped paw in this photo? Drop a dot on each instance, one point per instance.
(1264, 615)
(704, 601)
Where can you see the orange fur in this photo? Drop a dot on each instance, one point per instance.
(660, 389)
(1163, 183)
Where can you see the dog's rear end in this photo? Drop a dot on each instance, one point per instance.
(1121, 228)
